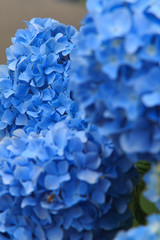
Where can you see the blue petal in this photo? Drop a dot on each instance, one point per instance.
(28, 187)
(3, 125)
(98, 197)
(21, 119)
(55, 233)
(151, 100)
(62, 167)
(88, 176)
(28, 201)
(52, 182)
(8, 117)
(22, 233)
(121, 23)
(22, 173)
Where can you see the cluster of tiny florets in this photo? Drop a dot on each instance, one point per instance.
(34, 84)
(61, 185)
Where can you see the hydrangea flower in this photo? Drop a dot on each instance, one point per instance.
(115, 73)
(149, 232)
(34, 84)
(64, 184)
(152, 180)
(4, 82)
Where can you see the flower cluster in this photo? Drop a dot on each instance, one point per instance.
(149, 232)
(34, 84)
(64, 184)
(115, 73)
(66, 173)
(152, 180)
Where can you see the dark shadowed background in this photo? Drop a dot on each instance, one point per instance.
(13, 12)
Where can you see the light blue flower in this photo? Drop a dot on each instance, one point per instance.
(152, 180)
(151, 231)
(65, 183)
(115, 78)
(34, 85)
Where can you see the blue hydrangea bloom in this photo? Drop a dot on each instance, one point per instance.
(115, 73)
(63, 184)
(4, 83)
(34, 84)
(152, 180)
(149, 232)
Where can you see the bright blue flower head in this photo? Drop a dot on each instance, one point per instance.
(63, 185)
(149, 232)
(34, 90)
(115, 72)
(152, 180)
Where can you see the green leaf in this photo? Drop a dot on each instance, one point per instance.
(139, 206)
(147, 206)
(135, 207)
(143, 167)
(135, 223)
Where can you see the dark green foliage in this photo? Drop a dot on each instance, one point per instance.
(140, 206)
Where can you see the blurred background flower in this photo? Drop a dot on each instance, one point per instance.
(152, 180)
(115, 73)
(149, 232)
